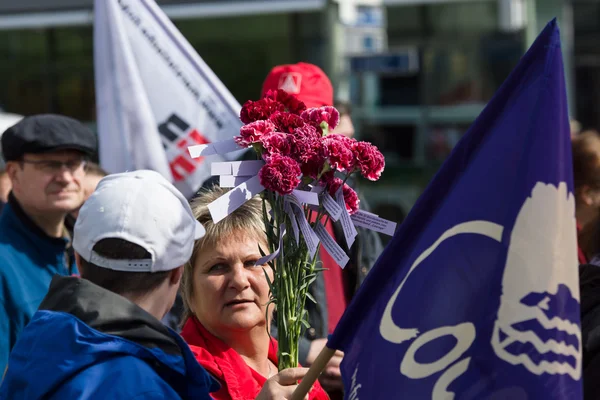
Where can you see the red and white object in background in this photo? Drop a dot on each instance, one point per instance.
(155, 95)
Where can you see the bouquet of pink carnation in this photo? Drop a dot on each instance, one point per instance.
(304, 176)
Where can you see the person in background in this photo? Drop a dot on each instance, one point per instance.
(6, 121)
(5, 187)
(589, 287)
(335, 287)
(45, 158)
(93, 175)
(575, 127)
(345, 126)
(586, 175)
(225, 301)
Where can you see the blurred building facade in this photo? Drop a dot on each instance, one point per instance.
(417, 72)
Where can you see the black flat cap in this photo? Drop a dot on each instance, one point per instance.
(47, 132)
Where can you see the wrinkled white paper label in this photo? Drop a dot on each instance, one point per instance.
(334, 249)
(232, 200)
(236, 168)
(332, 207)
(279, 250)
(347, 225)
(310, 237)
(229, 181)
(209, 149)
(373, 222)
(306, 197)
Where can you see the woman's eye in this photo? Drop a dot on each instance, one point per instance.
(217, 268)
(252, 263)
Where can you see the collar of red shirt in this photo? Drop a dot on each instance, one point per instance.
(238, 380)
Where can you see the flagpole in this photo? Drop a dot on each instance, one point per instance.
(313, 373)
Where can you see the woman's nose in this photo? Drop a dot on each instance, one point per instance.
(239, 277)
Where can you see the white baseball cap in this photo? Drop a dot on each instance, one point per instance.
(143, 208)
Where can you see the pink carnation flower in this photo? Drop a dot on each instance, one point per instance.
(350, 197)
(307, 131)
(259, 110)
(339, 152)
(252, 132)
(308, 150)
(327, 114)
(369, 159)
(290, 102)
(286, 122)
(280, 174)
(276, 143)
(333, 182)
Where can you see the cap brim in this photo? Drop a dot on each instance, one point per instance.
(83, 149)
(200, 231)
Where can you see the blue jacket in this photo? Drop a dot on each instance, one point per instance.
(28, 260)
(87, 343)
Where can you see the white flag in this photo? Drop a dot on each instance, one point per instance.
(155, 96)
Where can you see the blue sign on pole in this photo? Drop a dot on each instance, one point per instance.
(401, 62)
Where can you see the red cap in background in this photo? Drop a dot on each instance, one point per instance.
(306, 81)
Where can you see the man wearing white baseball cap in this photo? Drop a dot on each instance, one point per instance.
(100, 337)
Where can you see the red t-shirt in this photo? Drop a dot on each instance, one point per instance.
(334, 285)
(238, 381)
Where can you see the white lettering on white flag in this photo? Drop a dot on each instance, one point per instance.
(155, 95)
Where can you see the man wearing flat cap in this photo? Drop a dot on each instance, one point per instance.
(45, 159)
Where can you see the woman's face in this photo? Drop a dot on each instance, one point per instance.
(230, 291)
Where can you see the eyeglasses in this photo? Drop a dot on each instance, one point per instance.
(53, 166)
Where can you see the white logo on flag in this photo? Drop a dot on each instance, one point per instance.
(540, 271)
(290, 82)
(547, 248)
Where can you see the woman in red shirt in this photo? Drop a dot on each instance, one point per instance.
(225, 297)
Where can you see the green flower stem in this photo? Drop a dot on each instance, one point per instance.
(294, 271)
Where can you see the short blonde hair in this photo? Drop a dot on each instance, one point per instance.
(247, 218)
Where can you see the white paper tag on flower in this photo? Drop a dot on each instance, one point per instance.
(209, 149)
(288, 210)
(373, 222)
(310, 238)
(236, 168)
(226, 146)
(232, 200)
(229, 181)
(332, 207)
(334, 249)
(307, 197)
(367, 213)
(347, 225)
(270, 257)
(317, 188)
(293, 201)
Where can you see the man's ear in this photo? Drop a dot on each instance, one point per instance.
(176, 275)
(586, 195)
(11, 170)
